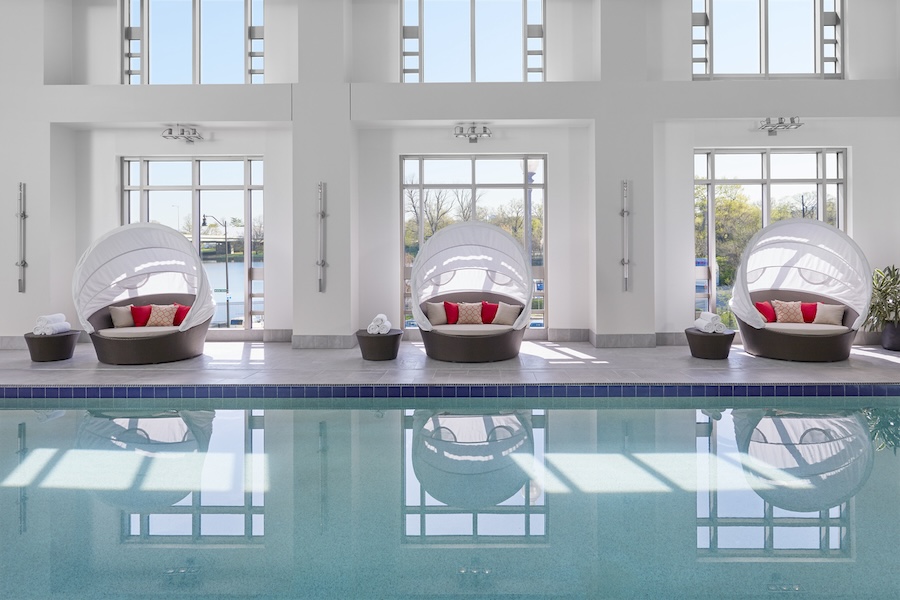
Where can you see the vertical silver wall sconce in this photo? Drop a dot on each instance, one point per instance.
(625, 213)
(321, 214)
(21, 215)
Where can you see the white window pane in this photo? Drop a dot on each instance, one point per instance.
(134, 207)
(259, 522)
(700, 166)
(791, 36)
(448, 171)
(134, 13)
(535, 12)
(413, 525)
(411, 171)
(410, 12)
(222, 172)
(499, 171)
(498, 40)
(741, 537)
(257, 14)
(222, 41)
(504, 208)
(171, 34)
(795, 538)
(793, 166)
(793, 202)
(171, 208)
(256, 172)
(221, 524)
(491, 524)
(736, 36)
(448, 41)
(222, 249)
(738, 166)
(161, 173)
(448, 524)
(170, 525)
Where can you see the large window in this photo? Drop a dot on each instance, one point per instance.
(211, 201)
(507, 191)
(767, 38)
(472, 40)
(192, 41)
(736, 193)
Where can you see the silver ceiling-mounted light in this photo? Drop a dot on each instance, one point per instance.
(773, 125)
(473, 132)
(188, 133)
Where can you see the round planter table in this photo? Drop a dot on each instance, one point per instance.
(379, 346)
(58, 346)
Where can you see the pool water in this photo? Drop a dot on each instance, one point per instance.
(711, 501)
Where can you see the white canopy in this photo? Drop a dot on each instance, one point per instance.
(804, 462)
(806, 256)
(137, 260)
(471, 257)
(470, 460)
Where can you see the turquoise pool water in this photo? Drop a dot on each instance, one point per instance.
(713, 498)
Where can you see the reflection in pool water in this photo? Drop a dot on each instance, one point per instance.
(430, 502)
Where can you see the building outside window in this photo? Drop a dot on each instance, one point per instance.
(507, 191)
(193, 41)
(750, 189)
(218, 204)
(472, 40)
(767, 38)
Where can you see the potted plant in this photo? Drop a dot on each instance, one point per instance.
(884, 306)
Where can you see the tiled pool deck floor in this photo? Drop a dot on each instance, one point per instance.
(275, 370)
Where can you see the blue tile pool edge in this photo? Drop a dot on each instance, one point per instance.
(483, 394)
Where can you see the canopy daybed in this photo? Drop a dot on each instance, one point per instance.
(471, 460)
(142, 265)
(804, 462)
(472, 263)
(805, 261)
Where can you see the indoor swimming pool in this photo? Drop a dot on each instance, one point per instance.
(660, 496)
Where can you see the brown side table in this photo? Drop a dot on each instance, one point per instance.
(709, 345)
(379, 346)
(59, 346)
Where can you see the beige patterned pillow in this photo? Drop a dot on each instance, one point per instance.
(436, 313)
(787, 312)
(470, 313)
(162, 315)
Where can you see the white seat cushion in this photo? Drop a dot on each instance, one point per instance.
(136, 332)
(807, 328)
(472, 330)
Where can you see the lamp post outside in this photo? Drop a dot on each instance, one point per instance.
(227, 288)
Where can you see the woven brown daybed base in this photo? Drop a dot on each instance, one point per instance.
(793, 346)
(178, 345)
(473, 348)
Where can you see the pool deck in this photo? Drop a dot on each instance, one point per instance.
(570, 363)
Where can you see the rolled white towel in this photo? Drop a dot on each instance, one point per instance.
(384, 327)
(53, 328)
(44, 320)
(719, 327)
(711, 317)
(372, 328)
(379, 319)
(704, 325)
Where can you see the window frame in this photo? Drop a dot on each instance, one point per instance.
(415, 30)
(828, 50)
(251, 274)
(821, 181)
(538, 273)
(140, 33)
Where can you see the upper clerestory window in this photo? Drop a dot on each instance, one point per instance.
(192, 41)
(472, 40)
(767, 38)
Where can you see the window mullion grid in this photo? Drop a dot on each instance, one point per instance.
(524, 41)
(195, 203)
(247, 43)
(766, 188)
(711, 263)
(764, 36)
(710, 69)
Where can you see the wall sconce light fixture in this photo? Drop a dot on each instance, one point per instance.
(473, 132)
(188, 133)
(776, 124)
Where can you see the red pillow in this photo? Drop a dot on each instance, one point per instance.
(452, 310)
(141, 314)
(181, 312)
(767, 311)
(808, 310)
(488, 311)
